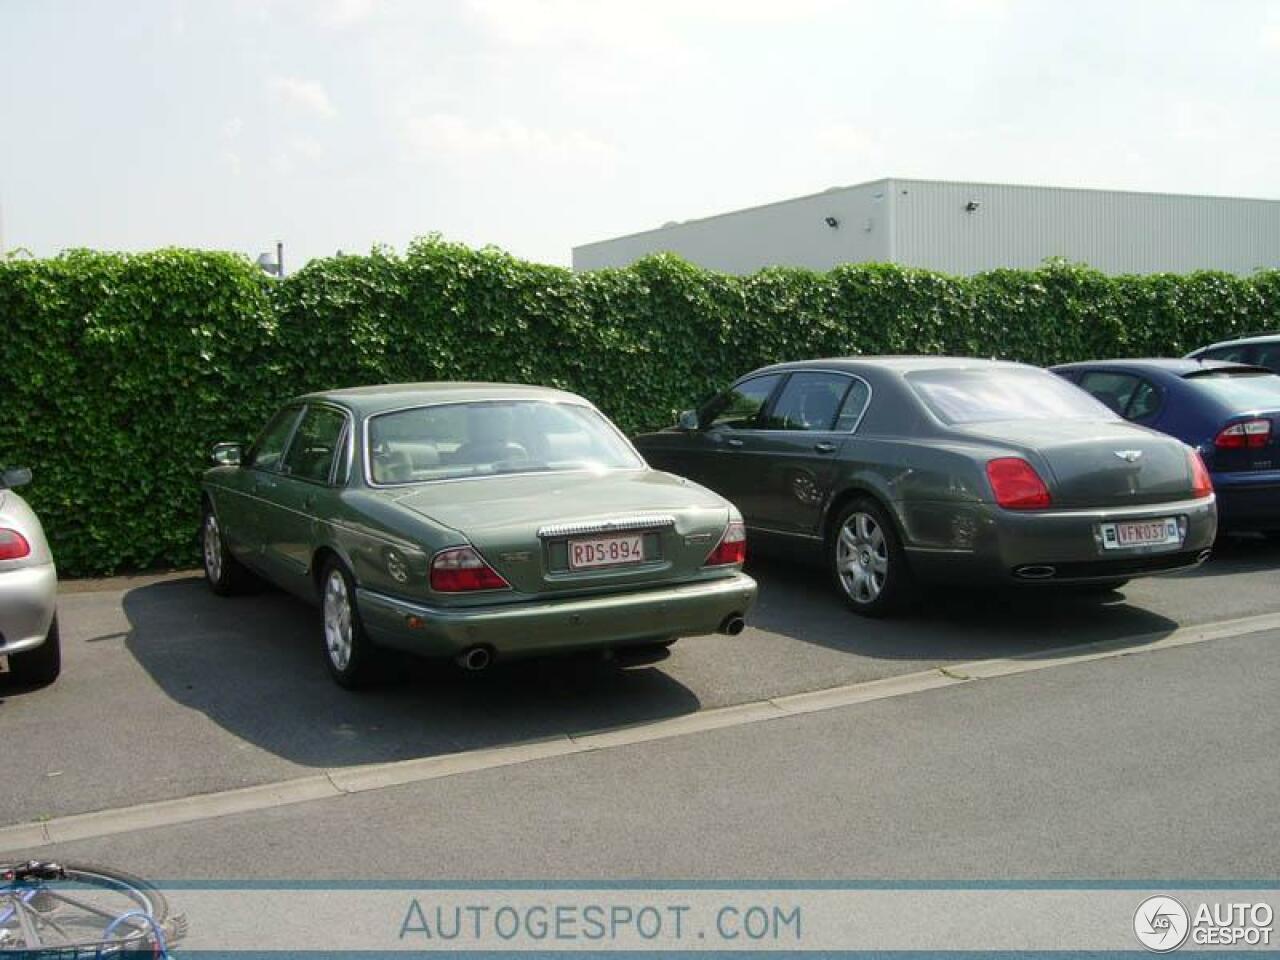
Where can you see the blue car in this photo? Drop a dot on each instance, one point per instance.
(1229, 412)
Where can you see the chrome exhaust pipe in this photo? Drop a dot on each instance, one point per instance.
(733, 624)
(475, 659)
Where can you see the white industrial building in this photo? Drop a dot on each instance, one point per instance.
(966, 228)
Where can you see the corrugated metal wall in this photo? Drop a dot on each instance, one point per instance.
(925, 223)
(791, 233)
(1113, 231)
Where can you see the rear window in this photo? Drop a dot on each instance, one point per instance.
(450, 441)
(1242, 390)
(985, 396)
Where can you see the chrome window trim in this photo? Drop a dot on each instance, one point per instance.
(620, 525)
(367, 463)
(348, 438)
(770, 531)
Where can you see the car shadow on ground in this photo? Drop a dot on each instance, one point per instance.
(254, 665)
(945, 623)
(1238, 554)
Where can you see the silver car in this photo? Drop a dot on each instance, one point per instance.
(28, 589)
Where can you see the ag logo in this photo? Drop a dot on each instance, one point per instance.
(1161, 924)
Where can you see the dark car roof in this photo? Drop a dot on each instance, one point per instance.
(393, 396)
(898, 364)
(1177, 367)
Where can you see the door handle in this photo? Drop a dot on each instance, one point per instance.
(824, 446)
(734, 442)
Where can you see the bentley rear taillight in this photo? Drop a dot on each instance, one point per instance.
(732, 548)
(1201, 484)
(1016, 485)
(463, 570)
(13, 545)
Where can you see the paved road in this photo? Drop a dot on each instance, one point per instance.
(1159, 765)
(169, 691)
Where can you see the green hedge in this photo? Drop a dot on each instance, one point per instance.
(118, 371)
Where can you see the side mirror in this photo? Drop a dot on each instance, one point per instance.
(226, 454)
(15, 477)
(688, 420)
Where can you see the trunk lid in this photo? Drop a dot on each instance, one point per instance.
(1096, 463)
(522, 525)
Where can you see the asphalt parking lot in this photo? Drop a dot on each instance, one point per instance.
(168, 691)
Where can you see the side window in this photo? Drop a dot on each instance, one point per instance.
(1113, 389)
(739, 408)
(267, 450)
(311, 453)
(809, 401)
(1145, 402)
(854, 406)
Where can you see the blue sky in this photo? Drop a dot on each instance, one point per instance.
(539, 124)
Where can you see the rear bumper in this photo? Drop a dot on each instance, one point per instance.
(545, 626)
(1063, 546)
(28, 597)
(1248, 501)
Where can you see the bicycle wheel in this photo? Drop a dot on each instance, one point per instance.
(81, 910)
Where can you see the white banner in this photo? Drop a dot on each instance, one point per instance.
(700, 919)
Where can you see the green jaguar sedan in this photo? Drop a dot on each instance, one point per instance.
(473, 521)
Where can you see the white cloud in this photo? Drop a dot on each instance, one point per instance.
(305, 95)
(610, 24)
(844, 138)
(307, 149)
(340, 14)
(232, 128)
(451, 137)
(975, 9)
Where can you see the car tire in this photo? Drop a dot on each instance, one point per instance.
(41, 666)
(348, 652)
(866, 560)
(225, 574)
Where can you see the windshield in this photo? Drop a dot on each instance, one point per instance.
(987, 395)
(449, 441)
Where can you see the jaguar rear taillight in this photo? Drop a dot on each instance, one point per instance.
(732, 548)
(13, 545)
(1201, 483)
(463, 570)
(1016, 485)
(1250, 434)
